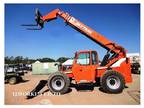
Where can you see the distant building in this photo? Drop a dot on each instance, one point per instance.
(39, 68)
(68, 62)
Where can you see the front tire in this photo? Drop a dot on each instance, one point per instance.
(58, 83)
(112, 82)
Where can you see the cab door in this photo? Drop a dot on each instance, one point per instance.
(84, 67)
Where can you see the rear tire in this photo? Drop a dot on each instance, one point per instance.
(12, 80)
(58, 83)
(112, 82)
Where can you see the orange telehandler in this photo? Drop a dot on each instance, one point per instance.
(114, 71)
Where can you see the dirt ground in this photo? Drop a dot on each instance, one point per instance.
(16, 94)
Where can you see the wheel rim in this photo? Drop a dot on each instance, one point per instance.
(12, 80)
(57, 83)
(113, 82)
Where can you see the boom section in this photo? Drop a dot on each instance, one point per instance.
(87, 31)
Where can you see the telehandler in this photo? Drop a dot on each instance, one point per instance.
(114, 71)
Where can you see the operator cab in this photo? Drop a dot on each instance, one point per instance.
(86, 57)
(84, 66)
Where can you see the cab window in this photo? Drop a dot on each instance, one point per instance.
(83, 59)
(94, 58)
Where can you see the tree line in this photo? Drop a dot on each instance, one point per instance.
(26, 60)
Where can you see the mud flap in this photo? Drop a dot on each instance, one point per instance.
(36, 90)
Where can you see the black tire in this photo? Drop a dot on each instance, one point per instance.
(12, 80)
(58, 83)
(112, 82)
